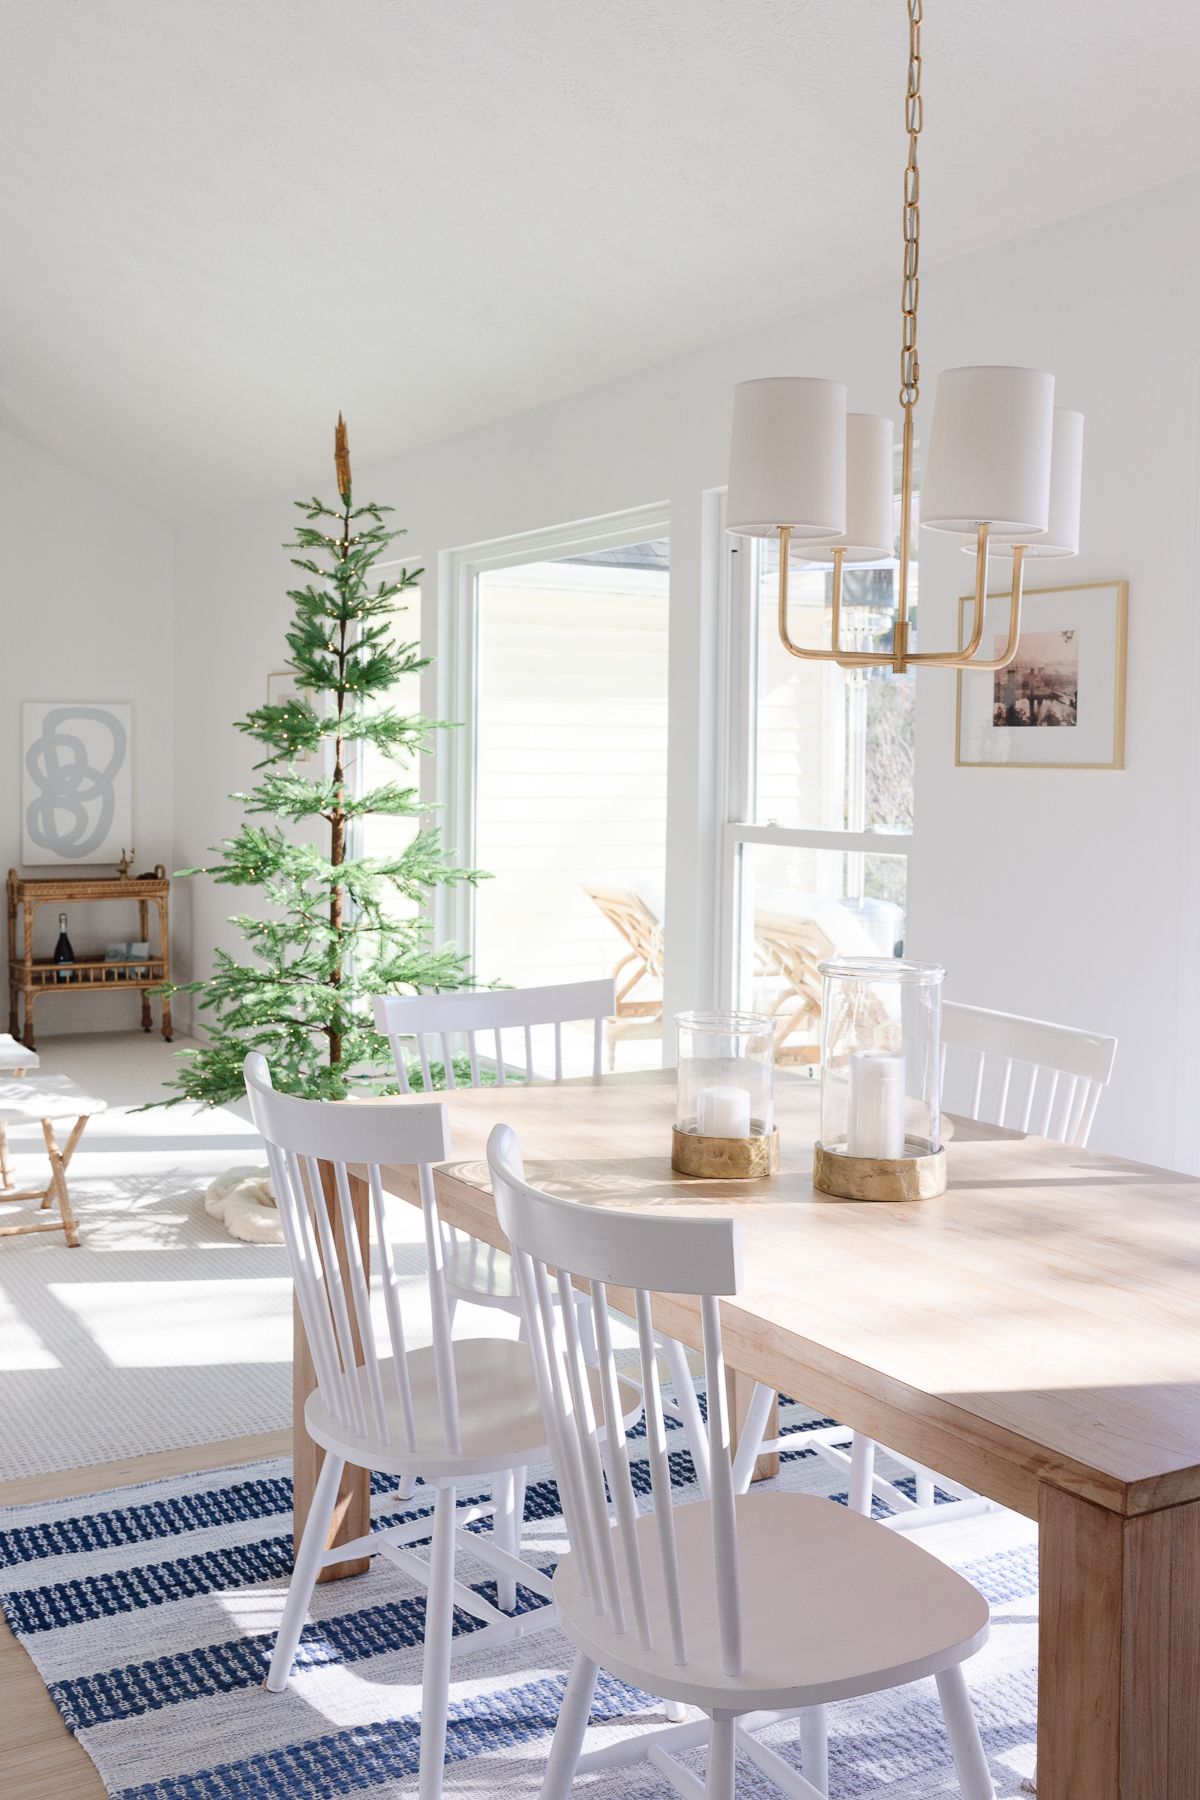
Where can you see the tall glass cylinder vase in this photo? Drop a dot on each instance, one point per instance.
(881, 1077)
(725, 1111)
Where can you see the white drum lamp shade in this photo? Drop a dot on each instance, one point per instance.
(990, 452)
(788, 459)
(870, 531)
(1066, 491)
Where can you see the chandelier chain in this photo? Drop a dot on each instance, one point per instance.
(910, 292)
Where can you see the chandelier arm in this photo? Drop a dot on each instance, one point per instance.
(846, 659)
(964, 653)
(1014, 617)
(983, 663)
(849, 659)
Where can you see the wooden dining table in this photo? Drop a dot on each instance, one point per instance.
(1034, 1333)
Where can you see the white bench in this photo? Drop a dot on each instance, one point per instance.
(15, 1059)
(49, 1099)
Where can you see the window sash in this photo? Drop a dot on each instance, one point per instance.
(739, 735)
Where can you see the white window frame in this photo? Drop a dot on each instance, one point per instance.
(456, 675)
(737, 627)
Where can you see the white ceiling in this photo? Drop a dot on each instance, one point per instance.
(222, 220)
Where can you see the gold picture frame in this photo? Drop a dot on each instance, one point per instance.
(1091, 619)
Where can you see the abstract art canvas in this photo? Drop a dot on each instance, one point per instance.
(76, 781)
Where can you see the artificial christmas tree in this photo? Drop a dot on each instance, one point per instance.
(328, 941)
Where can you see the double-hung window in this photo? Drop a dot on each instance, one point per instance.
(819, 791)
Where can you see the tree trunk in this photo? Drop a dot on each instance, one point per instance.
(337, 830)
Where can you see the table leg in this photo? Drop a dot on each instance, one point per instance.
(144, 935)
(352, 1513)
(1119, 1652)
(65, 1155)
(27, 1036)
(164, 950)
(12, 956)
(58, 1178)
(6, 1168)
(739, 1388)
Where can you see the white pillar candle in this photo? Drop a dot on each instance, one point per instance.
(875, 1120)
(723, 1112)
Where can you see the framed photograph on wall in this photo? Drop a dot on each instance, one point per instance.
(1061, 703)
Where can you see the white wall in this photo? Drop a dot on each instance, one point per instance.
(1070, 895)
(86, 604)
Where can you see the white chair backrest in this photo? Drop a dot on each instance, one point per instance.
(311, 1145)
(551, 1240)
(1023, 1073)
(451, 1024)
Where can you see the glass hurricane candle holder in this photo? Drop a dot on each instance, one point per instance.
(881, 1074)
(725, 1112)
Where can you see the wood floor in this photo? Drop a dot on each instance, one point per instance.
(39, 1759)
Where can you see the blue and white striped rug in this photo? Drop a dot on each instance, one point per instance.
(150, 1614)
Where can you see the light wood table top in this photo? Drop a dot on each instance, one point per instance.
(1038, 1322)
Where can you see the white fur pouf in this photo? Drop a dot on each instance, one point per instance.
(242, 1200)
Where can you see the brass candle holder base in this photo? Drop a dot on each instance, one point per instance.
(879, 1178)
(725, 1159)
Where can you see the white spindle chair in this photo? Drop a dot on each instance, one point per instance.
(750, 1606)
(441, 1028)
(449, 1411)
(479, 1026)
(1023, 1074)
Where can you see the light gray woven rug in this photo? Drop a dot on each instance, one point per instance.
(159, 1330)
(150, 1614)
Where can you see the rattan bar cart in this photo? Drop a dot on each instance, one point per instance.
(29, 979)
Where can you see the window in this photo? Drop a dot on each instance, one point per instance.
(561, 788)
(820, 785)
(831, 747)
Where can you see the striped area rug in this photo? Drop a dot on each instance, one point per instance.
(150, 1614)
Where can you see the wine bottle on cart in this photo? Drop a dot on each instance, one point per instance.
(63, 952)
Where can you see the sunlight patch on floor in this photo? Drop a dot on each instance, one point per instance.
(23, 1346)
(183, 1324)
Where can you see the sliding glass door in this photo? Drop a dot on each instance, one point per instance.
(568, 777)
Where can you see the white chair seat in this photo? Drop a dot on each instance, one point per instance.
(832, 1607)
(478, 1273)
(14, 1055)
(47, 1097)
(500, 1417)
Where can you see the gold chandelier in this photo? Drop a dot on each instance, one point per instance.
(1003, 470)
